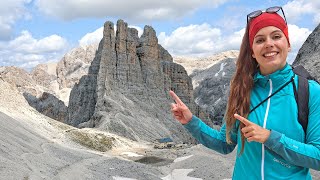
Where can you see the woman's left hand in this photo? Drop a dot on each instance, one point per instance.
(252, 131)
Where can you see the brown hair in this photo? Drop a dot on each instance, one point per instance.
(240, 88)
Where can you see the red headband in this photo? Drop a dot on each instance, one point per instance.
(264, 20)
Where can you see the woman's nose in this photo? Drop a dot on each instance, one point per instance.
(269, 42)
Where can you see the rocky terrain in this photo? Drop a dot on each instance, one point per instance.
(34, 146)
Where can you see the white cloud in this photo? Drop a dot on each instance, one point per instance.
(91, 38)
(10, 12)
(27, 44)
(133, 10)
(26, 51)
(96, 36)
(297, 37)
(316, 18)
(295, 9)
(192, 39)
(233, 41)
(199, 40)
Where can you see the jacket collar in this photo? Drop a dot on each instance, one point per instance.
(278, 78)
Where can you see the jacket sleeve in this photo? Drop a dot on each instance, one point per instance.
(301, 154)
(210, 137)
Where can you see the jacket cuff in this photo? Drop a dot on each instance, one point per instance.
(192, 123)
(273, 139)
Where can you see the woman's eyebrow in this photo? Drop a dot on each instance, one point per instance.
(275, 31)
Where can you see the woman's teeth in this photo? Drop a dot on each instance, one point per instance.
(270, 54)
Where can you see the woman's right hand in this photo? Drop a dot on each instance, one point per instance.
(179, 110)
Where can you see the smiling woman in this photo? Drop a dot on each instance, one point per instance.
(272, 57)
(269, 40)
(262, 114)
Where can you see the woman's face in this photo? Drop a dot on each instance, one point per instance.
(270, 48)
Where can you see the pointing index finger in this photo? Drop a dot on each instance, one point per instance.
(242, 119)
(175, 97)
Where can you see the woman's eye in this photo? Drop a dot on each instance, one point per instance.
(258, 41)
(276, 36)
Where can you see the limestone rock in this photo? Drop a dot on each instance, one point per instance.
(212, 91)
(197, 64)
(21, 79)
(74, 65)
(48, 105)
(45, 75)
(126, 89)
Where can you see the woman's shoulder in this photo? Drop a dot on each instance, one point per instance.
(314, 86)
(314, 92)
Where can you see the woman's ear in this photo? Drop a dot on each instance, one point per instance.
(254, 56)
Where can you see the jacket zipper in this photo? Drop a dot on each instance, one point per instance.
(264, 126)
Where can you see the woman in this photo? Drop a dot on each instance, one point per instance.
(271, 142)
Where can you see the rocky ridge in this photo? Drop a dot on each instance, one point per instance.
(194, 64)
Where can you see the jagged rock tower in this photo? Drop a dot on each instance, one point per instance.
(126, 89)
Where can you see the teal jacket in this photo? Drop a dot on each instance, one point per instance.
(289, 152)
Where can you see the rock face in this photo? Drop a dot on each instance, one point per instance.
(197, 64)
(126, 89)
(41, 79)
(20, 78)
(45, 76)
(309, 55)
(212, 90)
(48, 105)
(74, 65)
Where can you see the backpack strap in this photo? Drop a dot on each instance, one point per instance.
(291, 80)
(302, 95)
(303, 102)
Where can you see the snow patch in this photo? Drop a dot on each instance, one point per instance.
(121, 178)
(221, 69)
(182, 158)
(180, 174)
(131, 154)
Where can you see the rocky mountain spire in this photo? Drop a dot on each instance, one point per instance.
(126, 89)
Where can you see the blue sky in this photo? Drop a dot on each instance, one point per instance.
(40, 31)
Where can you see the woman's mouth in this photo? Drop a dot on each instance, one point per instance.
(270, 54)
